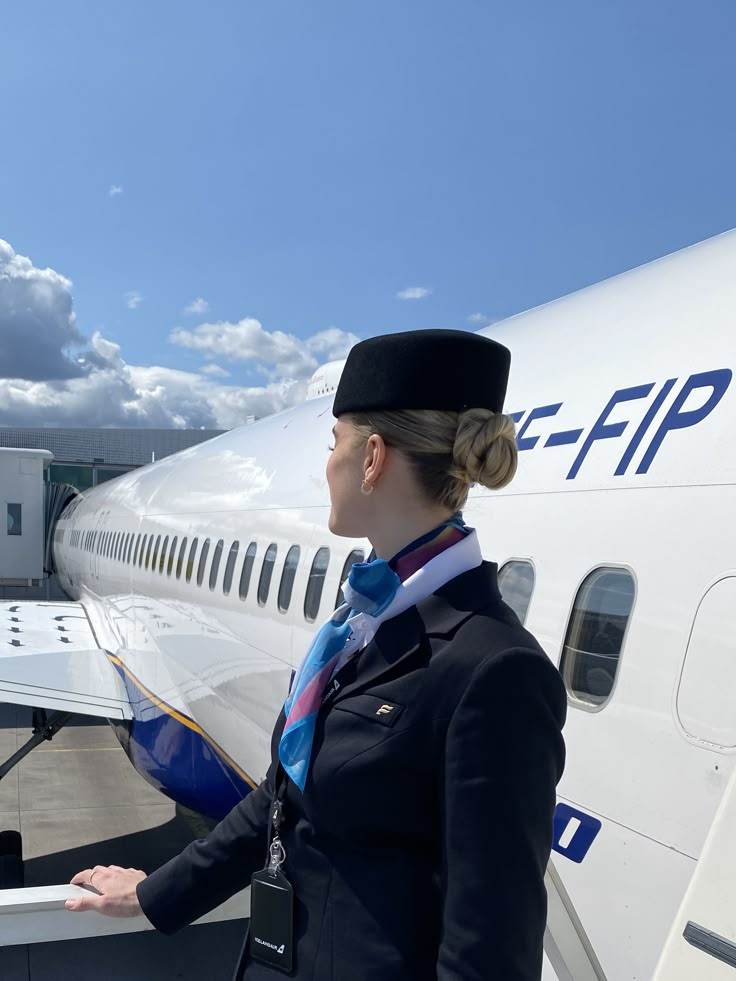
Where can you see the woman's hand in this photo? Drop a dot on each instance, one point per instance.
(114, 891)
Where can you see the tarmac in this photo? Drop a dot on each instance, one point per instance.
(78, 802)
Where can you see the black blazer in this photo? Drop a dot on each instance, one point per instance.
(418, 849)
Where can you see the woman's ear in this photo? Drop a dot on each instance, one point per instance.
(375, 458)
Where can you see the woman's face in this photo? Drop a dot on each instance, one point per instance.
(345, 474)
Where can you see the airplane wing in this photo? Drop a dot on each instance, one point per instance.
(49, 658)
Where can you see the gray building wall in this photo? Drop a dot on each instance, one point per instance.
(87, 457)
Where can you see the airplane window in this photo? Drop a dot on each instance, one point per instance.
(595, 635)
(180, 559)
(203, 561)
(137, 548)
(316, 584)
(118, 545)
(215, 567)
(148, 551)
(190, 560)
(162, 560)
(264, 583)
(516, 582)
(155, 553)
(357, 555)
(115, 544)
(172, 553)
(286, 587)
(250, 557)
(232, 558)
(143, 550)
(131, 539)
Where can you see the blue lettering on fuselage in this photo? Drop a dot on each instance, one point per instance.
(585, 830)
(715, 382)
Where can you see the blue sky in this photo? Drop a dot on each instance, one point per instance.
(300, 164)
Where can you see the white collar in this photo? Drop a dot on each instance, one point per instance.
(451, 562)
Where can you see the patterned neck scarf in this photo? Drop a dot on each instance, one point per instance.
(373, 593)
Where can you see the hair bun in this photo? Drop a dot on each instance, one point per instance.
(485, 450)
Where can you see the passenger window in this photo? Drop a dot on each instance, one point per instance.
(155, 553)
(203, 561)
(216, 563)
(148, 551)
(143, 550)
(137, 548)
(316, 584)
(357, 555)
(232, 558)
(250, 557)
(264, 583)
(516, 582)
(190, 560)
(595, 635)
(286, 587)
(172, 553)
(162, 560)
(131, 538)
(180, 558)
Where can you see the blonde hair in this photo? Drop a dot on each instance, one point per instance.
(448, 451)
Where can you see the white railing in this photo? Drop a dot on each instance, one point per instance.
(37, 915)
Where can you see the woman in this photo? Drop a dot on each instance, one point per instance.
(412, 786)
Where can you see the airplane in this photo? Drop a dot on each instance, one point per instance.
(196, 582)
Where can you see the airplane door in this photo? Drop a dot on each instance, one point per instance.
(706, 707)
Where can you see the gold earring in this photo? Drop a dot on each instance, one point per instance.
(366, 488)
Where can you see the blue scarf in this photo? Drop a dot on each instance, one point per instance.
(369, 593)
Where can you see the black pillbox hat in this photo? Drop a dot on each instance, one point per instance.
(424, 369)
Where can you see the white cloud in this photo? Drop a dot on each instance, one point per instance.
(413, 293)
(133, 299)
(37, 323)
(114, 190)
(41, 385)
(479, 319)
(277, 355)
(214, 371)
(199, 305)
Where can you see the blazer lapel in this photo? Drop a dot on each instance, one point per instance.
(395, 642)
(407, 635)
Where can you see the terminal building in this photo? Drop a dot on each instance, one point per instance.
(87, 457)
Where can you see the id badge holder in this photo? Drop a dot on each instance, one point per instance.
(272, 914)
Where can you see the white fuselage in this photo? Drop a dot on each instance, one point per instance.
(641, 481)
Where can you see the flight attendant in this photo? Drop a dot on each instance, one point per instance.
(405, 824)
